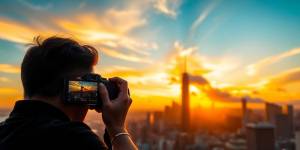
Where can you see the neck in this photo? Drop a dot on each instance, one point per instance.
(75, 113)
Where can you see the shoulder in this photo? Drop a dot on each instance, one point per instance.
(77, 135)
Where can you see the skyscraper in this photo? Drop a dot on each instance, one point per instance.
(272, 110)
(260, 136)
(244, 114)
(185, 117)
(282, 118)
(290, 113)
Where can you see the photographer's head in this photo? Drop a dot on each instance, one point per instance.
(49, 61)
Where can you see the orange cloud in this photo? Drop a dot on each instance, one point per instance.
(3, 79)
(114, 71)
(8, 91)
(282, 88)
(6, 68)
(108, 31)
(128, 57)
(162, 78)
(254, 68)
(167, 7)
(15, 31)
(285, 78)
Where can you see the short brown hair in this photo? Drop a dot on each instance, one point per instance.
(47, 62)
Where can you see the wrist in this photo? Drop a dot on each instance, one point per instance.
(112, 131)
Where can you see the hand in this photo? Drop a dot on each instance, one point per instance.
(114, 111)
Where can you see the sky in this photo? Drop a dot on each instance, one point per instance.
(233, 49)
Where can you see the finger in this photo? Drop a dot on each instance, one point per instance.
(122, 84)
(98, 110)
(117, 80)
(103, 94)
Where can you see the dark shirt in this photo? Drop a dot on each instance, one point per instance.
(35, 125)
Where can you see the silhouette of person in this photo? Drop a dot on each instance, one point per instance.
(44, 121)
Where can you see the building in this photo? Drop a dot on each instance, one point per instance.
(272, 110)
(260, 136)
(297, 140)
(172, 115)
(244, 114)
(185, 114)
(282, 118)
(158, 122)
(290, 113)
(236, 143)
(282, 127)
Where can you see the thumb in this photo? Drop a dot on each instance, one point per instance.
(103, 94)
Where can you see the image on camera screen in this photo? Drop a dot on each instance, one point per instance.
(82, 92)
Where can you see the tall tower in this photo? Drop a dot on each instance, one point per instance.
(244, 114)
(185, 122)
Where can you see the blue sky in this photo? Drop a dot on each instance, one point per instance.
(241, 42)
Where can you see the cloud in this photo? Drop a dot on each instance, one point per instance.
(113, 71)
(217, 94)
(256, 67)
(110, 30)
(202, 17)
(8, 91)
(10, 30)
(4, 79)
(285, 78)
(163, 77)
(6, 68)
(109, 33)
(128, 57)
(125, 20)
(34, 6)
(180, 56)
(198, 80)
(167, 7)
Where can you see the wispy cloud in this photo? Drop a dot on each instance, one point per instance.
(6, 68)
(4, 79)
(35, 7)
(282, 87)
(10, 30)
(108, 30)
(203, 16)
(167, 7)
(128, 57)
(256, 67)
(163, 77)
(285, 78)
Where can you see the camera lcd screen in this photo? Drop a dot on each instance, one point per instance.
(85, 92)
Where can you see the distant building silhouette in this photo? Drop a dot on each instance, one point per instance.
(185, 122)
(260, 136)
(171, 116)
(290, 112)
(244, 114)
(297, 140)
(283, 120)
(272, 110)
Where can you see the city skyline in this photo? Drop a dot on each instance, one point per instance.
(234, 49)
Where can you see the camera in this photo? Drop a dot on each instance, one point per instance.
(84, 90)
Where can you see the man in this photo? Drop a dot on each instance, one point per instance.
(44, 121)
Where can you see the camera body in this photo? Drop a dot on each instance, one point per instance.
(84, 90)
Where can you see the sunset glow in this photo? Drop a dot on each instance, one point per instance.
(148, 43)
